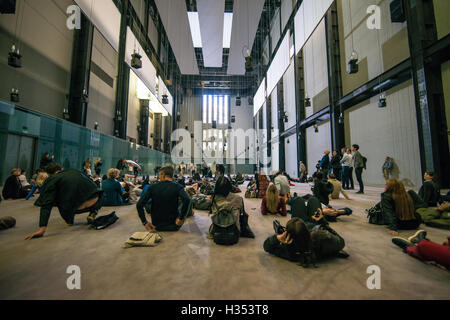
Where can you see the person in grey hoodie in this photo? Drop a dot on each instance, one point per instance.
(358, 164)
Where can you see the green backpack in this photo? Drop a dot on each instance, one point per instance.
(224, 230)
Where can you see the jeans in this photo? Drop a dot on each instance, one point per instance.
(350, 177)
(345, 177)
(359, 178)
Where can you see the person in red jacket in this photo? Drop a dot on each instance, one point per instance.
(272, 203)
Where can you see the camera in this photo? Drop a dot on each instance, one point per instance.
(279, 229)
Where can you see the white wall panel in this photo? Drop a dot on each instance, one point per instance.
(291, 155)
(275, 156)
(289, 96)
(260, 97)
(286, 11)
(392, 132)
(316, 144)
(279, 64)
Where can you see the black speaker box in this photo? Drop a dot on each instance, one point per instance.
(397, 11)
(8, 6)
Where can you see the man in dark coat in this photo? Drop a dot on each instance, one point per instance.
(430, 192)
(72, 192)
(13, 189)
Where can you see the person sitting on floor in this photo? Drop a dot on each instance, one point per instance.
(322, 189)
(40, 179)
(113, 192)
(72, 192)
(398, 207)
(12, 189)
(164, 197)
(312, 207)
(430, 191)
(298, 244)
(263, 184)
(273, 203)
(23, 180)
(282, 183)
(337, 188)
(419, 247)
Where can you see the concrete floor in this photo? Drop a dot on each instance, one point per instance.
(187, 265)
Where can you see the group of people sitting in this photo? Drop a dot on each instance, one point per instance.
(307, 237)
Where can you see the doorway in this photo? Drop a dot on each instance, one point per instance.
(20, 153)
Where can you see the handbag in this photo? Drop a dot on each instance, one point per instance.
(375, 215)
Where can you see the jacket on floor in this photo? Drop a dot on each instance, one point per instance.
(67, 190)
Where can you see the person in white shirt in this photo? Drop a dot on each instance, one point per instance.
(23, 180)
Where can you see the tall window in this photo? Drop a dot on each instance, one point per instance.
(215, 108)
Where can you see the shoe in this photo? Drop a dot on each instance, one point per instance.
(402, 243)
(418, 236)
(360, 192)
(342, 254)
(348, 211)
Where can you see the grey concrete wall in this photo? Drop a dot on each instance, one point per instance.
(46, 45)
(102, 96)
(390, 131)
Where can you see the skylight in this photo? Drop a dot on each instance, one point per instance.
(194, 23)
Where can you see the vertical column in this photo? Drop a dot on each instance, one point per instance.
(334, 77)
(300, 99)
(280, 98)
(433, 138)
(123, 78)
(143, 126)
(80, 72)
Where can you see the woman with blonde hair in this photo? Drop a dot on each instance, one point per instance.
(40, 179)
(398, 207)
(272, 202)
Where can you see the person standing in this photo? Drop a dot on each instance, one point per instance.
(325, 163)
(358, 163)
(336, 164)
(345, 172)
(98, 166)
(350, 170)
(303, 172)
(387, 168)
(46, 159)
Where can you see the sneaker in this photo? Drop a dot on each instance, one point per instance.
(360, 192)
(402, 243)
(418, 236)
(342, 254)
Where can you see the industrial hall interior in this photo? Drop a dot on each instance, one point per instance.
(224, 150)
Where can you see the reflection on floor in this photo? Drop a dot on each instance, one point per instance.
(187, 265)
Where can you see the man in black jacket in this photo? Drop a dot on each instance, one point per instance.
(430, 192)
(164, 197)
(72, 192)
(325, 163)
(13, 189)
(322, 189)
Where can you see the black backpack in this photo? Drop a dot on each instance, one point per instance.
(224, 230)
(364, 162)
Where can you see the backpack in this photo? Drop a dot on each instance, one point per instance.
(364, 162)
(201, 203)
(224, 230)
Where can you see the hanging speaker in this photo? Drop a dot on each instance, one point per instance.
(8, 6)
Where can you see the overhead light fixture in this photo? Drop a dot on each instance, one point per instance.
(15, 95)
(233, 119)
(307, 102)
(353, 66)
(165, 99)
(238, 101)
(14, 57)
(96, 126)
(136, 60)
(178, 116)
(316, 128)
(248, 62)
(382, 102)
(341, 119)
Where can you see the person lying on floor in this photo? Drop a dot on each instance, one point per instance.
(398, 207)
(273, 203)
(164, 197)
(298, 244)
(313, 208)
(224, 198)
(419, 247)
(72, 192)
(337, 188)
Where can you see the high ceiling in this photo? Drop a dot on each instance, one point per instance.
(212, 61)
